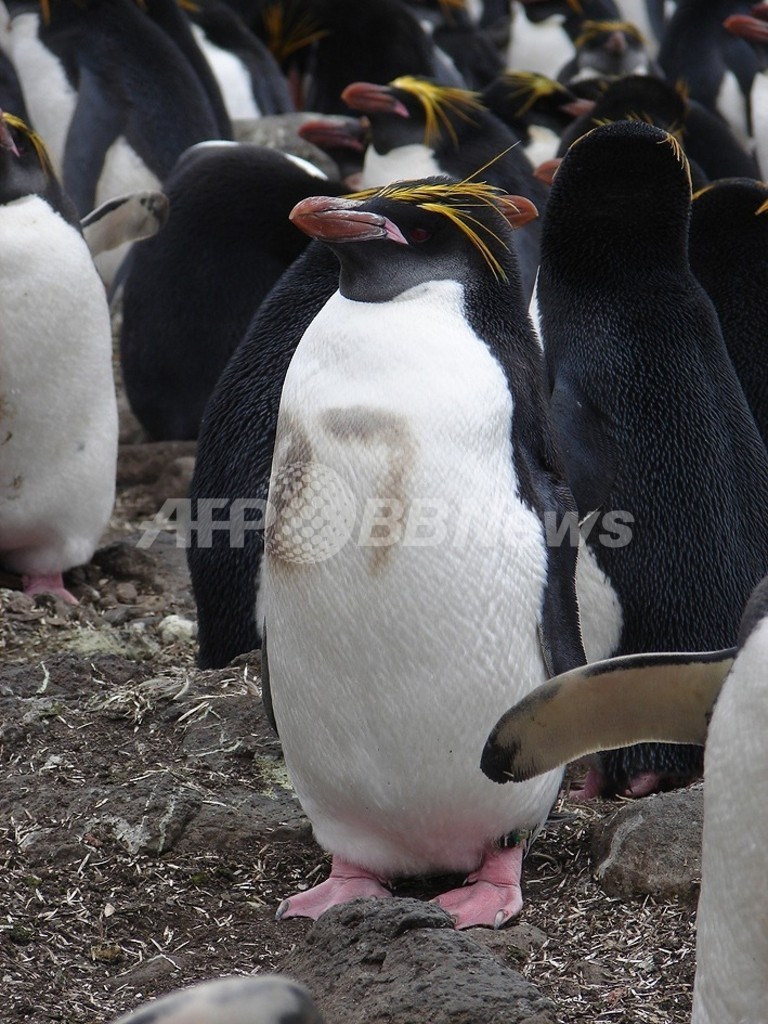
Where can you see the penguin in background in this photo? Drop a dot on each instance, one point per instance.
(58, 413)
(127, 101)
(250, 80)
(176, 23)
(717, 698)
(190, 293)
(543, 31)
(716, 67)
(420, 128)
(753, 28)
(537, 109)
(472, 51)
(710, 145)
(650, 416)
(324, 45)
(428, 289)
(607, 49)
(728, 252)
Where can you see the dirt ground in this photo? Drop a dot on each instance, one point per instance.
(148, 831)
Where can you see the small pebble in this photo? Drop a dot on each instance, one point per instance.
(174, 628)
(126, 593)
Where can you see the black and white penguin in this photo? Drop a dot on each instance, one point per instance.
(419, 128)
(607, 50)
(716, 67)
(754, 29)
(408, 525)
(685, 698)
(712, 148)
(324, 45)
(537, 109)
(249, 77)
(649, 413)
(728, 252)
(111, 93)
(274, 999)
(58, 414)
(458, 34)
(190, 293)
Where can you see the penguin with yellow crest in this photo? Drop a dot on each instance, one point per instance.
(58, 414)
(408, 589)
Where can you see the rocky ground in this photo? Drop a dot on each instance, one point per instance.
(148, 832)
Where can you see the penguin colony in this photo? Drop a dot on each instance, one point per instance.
(483, 407)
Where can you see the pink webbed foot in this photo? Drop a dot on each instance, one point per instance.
(346, 882)
(491, 896)
(591, 788)
(51, 584)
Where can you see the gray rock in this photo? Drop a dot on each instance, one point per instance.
(652, 846)
(386, 961)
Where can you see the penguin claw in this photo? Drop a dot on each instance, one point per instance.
(491, 896)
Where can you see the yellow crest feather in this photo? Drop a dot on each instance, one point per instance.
(590, 30)
(762, 208)
(438, 101)
(288, 31)
(455, 201)
(530, 86)
(37, 143)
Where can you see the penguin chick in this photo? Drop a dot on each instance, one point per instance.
(407, 527)
(58, 414)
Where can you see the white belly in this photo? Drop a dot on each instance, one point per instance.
(391, 662)
(732, 920)
(58, 418)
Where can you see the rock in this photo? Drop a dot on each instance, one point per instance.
(652, 846)
(386, 961)
(176, 629)
(149, 816)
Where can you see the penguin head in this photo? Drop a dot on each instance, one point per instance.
(414, 111)
(520, 98)
(609, 49)
(729, 221)
(25, 166)
(388, 240)
(26, 169)
(627, 182)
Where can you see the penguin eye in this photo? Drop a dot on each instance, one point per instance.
(419, 234)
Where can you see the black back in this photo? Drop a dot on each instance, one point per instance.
(191, 291)
(647, 406)
(728, 250)
(234, 456)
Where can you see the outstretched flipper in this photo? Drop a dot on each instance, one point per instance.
(613, 703)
